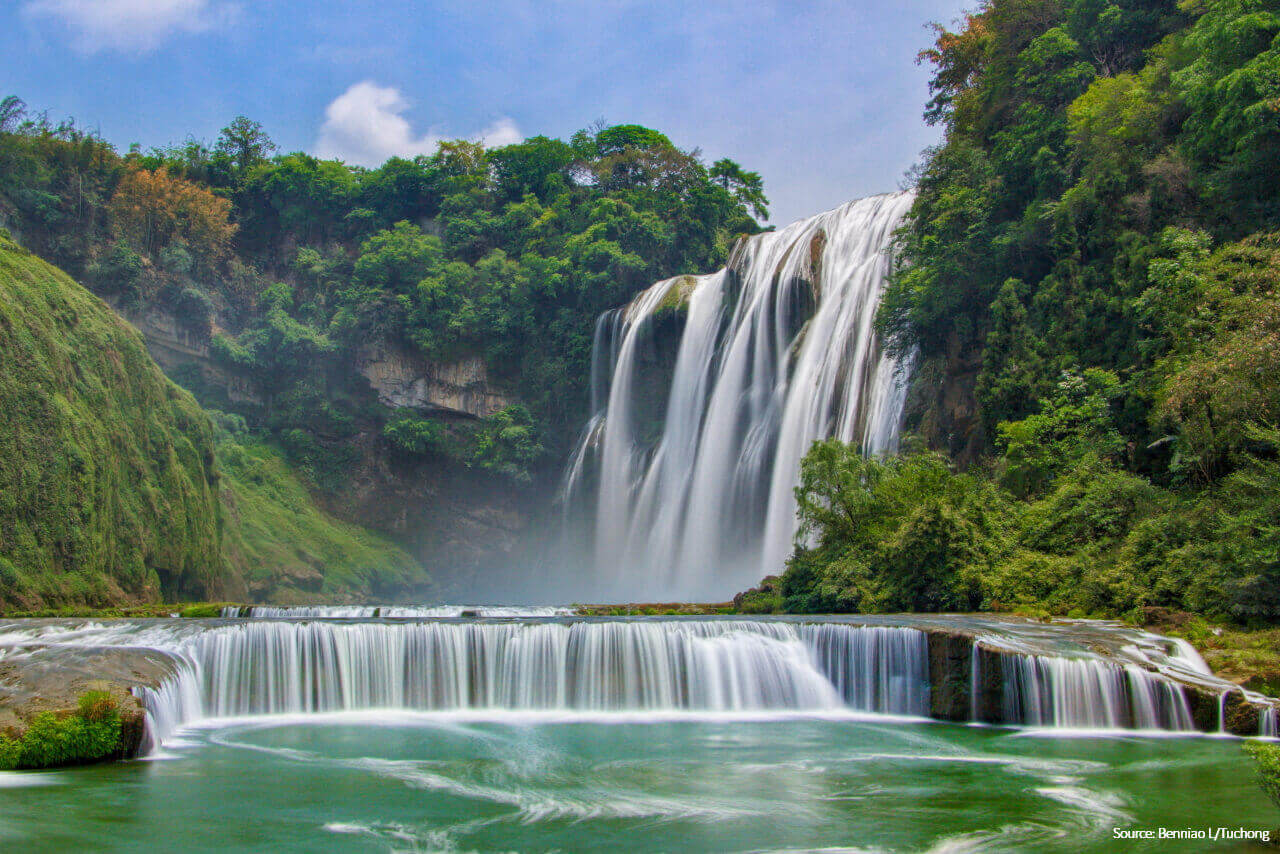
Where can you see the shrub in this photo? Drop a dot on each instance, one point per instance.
(204, 610)
(1267, 756)
(90, 733)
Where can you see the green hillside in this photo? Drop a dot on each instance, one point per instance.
(113, 490)
(108, 487)
(285, 548)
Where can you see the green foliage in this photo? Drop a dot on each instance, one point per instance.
(507, 442)
(900, 534)
(909, 534)
(89, 734)
(415, 435)
(284, 546)
(1075, 422)
(1222, 372)
(1089, 271)
(206, 610)
(747, 187)
(108, 487)
(244, 143)
(1267, 757)
(10, 752)
(765, 599)
(507, 255)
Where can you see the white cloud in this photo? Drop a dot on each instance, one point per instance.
(500, 133)
(136, 26)
(365, 126)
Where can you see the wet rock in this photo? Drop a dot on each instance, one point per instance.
(36, 679)
(949, 675)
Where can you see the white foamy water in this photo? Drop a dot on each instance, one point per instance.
(1022, 673)
(393, 611)
(776, 351)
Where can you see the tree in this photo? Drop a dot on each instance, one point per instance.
(245, 142)
(526, 167)
(1268, 758)
(12, 111)
(1076, 421)
(396, 259)
(150, 210)
(747, 188)
(903, 533)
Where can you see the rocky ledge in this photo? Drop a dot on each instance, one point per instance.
(1215, 704)
(36, 679)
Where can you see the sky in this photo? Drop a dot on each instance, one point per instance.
(822, 98)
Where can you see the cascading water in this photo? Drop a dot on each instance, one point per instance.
(1085, 693)
(1081, 675)
(391, 611)
(695, 479)
(882, 668)
(266, 667)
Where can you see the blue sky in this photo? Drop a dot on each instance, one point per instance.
(822, 98)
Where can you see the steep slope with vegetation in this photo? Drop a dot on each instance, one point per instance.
(1091, 285)
(115, 488)
(416, 337)
(285, 548)
(108, 489)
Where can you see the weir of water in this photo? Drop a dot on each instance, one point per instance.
(392, 611)
(1080, 675)
(1087, 693)
(688, 480)
(278, 666)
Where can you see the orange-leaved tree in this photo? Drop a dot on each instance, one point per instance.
(152, 209)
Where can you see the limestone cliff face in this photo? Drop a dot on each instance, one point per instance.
(173, 345)
(466, 526)
(404, 379)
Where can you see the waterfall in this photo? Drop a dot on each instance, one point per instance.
(882, 668)
(696, 473)
(1088, 693)
(357, 612)
(1079, 675)
(277, 666)
(1269, 722)
(175, 702)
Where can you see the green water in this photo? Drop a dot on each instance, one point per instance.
(377, 782)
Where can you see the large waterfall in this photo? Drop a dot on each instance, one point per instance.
(692, 455)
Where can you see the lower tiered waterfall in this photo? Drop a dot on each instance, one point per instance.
(709, 390)
(273, 666)
(1085, 693)
(524, 733)
(1004, 672)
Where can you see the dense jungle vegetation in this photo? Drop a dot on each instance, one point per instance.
(287, 265)
(1089, 281)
